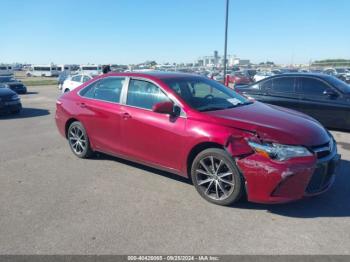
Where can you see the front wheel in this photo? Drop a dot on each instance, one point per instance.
(216, 177)
(79, 141)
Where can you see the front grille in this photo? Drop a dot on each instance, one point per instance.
(323, 150)
(321, 177)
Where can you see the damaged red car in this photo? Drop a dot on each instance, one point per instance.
(198, 128)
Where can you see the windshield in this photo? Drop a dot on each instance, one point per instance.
(205, 94)
(341, 70)
(339, 84)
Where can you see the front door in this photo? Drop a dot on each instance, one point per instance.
(316, 103)
(149, 136)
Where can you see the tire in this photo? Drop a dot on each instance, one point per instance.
(222, 185)
(79, 141)
(67, 90)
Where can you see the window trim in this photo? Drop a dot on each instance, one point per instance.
(101, 100)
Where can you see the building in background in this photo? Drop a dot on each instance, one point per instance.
(218, 61)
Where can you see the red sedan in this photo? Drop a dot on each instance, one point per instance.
(200, 129)
(237, 78)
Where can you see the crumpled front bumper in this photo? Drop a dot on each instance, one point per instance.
(269, 181)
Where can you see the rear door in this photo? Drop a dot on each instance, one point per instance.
(281, 91)
(314, 102)
(100, 112)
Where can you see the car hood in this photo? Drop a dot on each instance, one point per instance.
(274, 124)
(4, 91)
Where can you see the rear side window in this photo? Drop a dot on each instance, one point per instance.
(284, 85)
(312, 86)
(85, 79)
(107, 89)
(76, 78)
(144, 94)
(265, 85)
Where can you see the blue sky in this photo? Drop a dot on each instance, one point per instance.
(132, 31)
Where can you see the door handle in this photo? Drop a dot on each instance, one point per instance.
(126, 116)
(82, 105)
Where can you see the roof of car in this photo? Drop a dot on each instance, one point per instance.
(156, 74)
(320, 75)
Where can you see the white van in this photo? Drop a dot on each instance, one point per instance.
(42, 70)
(90, 69)
(61, 68)
(6, 70)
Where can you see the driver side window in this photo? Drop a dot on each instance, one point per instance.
(144, 94)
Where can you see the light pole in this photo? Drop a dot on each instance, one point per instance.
(225, 51)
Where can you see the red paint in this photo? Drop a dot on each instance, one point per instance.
(159, 140)
(232, 80)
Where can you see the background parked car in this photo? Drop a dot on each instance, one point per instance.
(14, 84)
(74, 81)
(262, 75)
(9, 101)
(343, 74)
(321, 96)
(238, 78)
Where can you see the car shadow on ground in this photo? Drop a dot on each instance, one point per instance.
(30, 93)
(333, 203)
(26, 113)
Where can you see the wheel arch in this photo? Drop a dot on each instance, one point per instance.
(196, 150)
(67, 125)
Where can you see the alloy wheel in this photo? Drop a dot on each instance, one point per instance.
(215, 178)
(77, 139)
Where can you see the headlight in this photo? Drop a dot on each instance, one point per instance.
(280, 152)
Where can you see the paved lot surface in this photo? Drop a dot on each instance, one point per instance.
(53, 203)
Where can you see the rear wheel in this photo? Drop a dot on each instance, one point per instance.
(79, 141)
(216, 177)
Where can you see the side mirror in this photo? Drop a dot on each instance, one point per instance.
(167, 108)
(329, 92)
